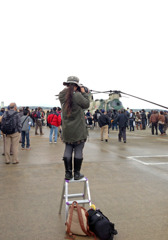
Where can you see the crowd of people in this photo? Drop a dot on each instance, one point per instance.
(120, 120)
(71, 122)
(127, 119)
(15, 127)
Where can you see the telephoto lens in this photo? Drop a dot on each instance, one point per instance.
(86, 89)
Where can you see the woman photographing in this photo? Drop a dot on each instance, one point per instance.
(73, 100)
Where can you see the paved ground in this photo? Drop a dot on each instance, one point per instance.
(128, 182)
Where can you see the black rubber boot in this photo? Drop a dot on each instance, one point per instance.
(68, 168)
(77, 168)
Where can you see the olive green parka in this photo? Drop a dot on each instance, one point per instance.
(74, 127)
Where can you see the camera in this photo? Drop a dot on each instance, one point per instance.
(86, 89)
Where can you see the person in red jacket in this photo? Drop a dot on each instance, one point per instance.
(54, 119)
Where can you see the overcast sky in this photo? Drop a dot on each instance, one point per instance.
(109, 45)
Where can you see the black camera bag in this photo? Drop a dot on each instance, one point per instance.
(100, 225)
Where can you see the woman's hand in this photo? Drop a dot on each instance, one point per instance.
(82, 89)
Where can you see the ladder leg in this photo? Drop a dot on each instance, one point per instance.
(88, 191)
(84, 192)
(66, 200)
(62, 197)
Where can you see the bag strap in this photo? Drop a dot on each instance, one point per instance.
(88, 232)
(52, 118)
(80, 217)
(24, 121)
(68, 231)
(70, 219)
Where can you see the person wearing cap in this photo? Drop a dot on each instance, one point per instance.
(74, 100)
(104, 122)
(12, 139)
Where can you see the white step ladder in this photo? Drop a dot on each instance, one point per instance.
(65, 195)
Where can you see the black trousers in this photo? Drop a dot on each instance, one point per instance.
(154, 126)
(143, 123)
(122, 133)
(77, 149)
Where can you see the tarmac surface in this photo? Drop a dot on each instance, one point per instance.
(128, 183)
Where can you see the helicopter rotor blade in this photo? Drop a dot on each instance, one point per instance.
(94, 91)
(124, 96)
(144, 100)
(110, 91)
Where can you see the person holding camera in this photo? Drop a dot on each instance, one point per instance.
(74, 99)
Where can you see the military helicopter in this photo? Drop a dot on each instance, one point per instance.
(113, 102)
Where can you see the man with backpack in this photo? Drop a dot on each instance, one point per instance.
(11, 127)
(33, 116)
(39, 118)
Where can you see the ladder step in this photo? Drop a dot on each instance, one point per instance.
(84, 179)
(75, 195)
(78, 201)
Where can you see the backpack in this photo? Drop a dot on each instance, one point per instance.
(34, 114)
(100, 225)
(77, 221)
(8, 125)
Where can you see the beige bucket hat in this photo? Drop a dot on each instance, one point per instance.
(72, 79)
